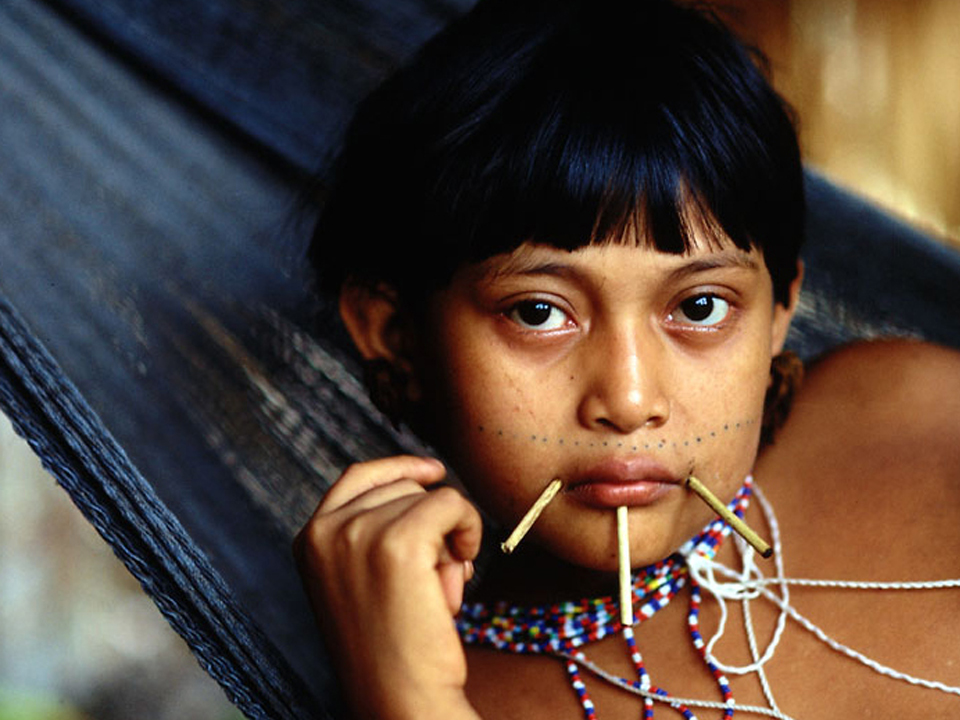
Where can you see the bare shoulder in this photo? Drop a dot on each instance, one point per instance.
(865, 479)
(888, 390)
(870, 369)
(873, 438)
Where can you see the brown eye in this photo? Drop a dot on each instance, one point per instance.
(537, 315)
(702, 310)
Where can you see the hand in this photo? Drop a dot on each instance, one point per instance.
(384, 561)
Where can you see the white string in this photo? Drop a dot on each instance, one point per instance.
(760, 583)
(744, 591)
(755, 655)
(749, 584)
(874, 665)
(747, 552)
(746, 585)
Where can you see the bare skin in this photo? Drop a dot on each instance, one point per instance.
(873, 494)
(617, 363)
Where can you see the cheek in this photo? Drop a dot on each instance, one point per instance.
(475, 401)
(734, 392)
(501, 422)
(718, 415)
(499, 427)
(476, 379)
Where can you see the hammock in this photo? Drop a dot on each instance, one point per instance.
(160, 349)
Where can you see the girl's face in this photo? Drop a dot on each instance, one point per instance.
(618, 369)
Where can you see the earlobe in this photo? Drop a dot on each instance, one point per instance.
(782, 316)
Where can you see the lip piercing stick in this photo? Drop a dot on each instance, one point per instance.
(623, 557)
(527, 521)
(744, 530)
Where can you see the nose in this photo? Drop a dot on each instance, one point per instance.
(624, 386)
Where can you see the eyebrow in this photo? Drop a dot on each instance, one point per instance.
(530, 266)
(546, 268)
(714, 262)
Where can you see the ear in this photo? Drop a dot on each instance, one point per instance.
(782, 316)
(383, 333)
(373, 317)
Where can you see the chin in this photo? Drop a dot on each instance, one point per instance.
(602, 557)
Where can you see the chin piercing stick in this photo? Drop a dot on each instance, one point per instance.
(623, 556)
(527, 521)
(742, 529)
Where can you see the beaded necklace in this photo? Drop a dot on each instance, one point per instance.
(562, 628)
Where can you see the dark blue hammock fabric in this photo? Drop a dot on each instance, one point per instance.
(159, 346)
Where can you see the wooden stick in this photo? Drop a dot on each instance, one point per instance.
(527, 521)
(744, 530)
(623, 554)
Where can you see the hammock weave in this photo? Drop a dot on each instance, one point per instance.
(160, 349)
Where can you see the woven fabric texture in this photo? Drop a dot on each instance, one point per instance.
(159, 345)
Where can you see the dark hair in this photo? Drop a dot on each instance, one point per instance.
(562, 122)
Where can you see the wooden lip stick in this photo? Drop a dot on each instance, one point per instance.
(744, 530)
(623, 557)
(527, 521)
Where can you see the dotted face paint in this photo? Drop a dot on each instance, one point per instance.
(660, 443)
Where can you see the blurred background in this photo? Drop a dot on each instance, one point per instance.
(876, 84)
(78, 638)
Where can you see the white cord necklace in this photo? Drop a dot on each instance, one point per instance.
(750, 584)
(566, 629)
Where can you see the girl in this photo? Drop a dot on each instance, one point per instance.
(565, 241)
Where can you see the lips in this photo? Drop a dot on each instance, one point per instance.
(632, 482)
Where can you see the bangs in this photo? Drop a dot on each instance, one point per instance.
(564, 123)
(598, 187)
(645, 140)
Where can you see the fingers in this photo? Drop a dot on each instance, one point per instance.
(362, 478)
(380, 515)
(445, 521)
(384, 562)
(387, 528)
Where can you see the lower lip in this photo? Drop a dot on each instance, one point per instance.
(609, 495)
